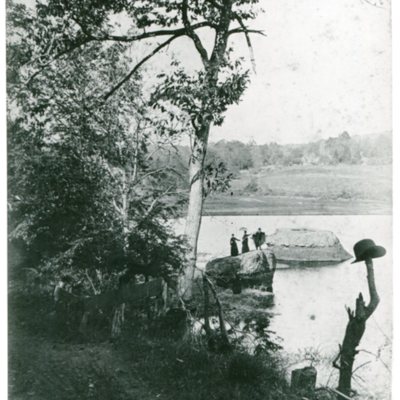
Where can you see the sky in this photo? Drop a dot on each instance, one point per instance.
(323, 68)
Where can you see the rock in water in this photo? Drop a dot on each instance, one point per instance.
(250, 269)
(306, 245)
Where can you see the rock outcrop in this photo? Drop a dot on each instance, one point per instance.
(305, 245)
(253, 269)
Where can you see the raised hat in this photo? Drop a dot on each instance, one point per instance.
(367, 248)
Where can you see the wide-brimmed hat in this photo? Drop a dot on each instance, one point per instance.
(367, 248)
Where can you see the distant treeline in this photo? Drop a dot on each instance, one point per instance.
(343, 149)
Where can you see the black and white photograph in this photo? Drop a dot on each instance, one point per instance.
(199, 199)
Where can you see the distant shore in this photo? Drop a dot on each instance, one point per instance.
(283, 205)
(307, 190)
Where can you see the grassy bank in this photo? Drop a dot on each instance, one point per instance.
(310, 190)
(151, 361)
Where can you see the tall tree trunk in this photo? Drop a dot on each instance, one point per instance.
(196, 164)
(195, 208)
(354, 332)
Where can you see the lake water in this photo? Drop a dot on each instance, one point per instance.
(309, 311)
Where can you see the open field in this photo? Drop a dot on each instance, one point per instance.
(343, 189)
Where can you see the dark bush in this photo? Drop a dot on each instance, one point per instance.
(245, 368)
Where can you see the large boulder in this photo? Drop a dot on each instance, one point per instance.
(255, 268)
(306, 245)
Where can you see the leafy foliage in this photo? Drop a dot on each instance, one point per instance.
(245, 368)
(343, 149)
(194, 95)
(83, 197)
(235, 154)
(217, 178)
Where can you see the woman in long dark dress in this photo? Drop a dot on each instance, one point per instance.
(234, 248)
(245, 243)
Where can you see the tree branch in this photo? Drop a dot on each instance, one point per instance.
(152, 34)
(91, 282)
(89, 37)
(192, 34)
(335, 361)
(246, 34)
(377, 4)
(56, 57)
(215, 4)
(156, 171)
(240, 30)
(360, 366)
(340, 394)
(136, 154)
(138, 65)
(377, 357)
(207, 327)
(155, 201)
(118, 209)
(108, 168)
(222, 34)
(224, 333)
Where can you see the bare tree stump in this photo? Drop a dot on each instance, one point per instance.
(354, 332)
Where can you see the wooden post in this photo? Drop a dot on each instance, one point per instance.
(303, 380)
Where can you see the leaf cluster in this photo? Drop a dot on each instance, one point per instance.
(196, 96)
(216, 178)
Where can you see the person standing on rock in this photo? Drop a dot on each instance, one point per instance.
(245, 243)
(234, 248)
(259, 238)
